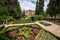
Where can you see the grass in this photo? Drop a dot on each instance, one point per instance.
(23, 20)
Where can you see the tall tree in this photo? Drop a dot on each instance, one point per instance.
(13, 8)
(53, 8)
(39, 7)
(23, 13)
(58, 6)
(9, 9)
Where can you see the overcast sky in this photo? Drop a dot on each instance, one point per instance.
(30, 4)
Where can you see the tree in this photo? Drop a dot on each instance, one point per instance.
(13, 8)
(23, 13)
(53, 8)
(9, 9)
(39, 7)
(58, 6)
(3, 10)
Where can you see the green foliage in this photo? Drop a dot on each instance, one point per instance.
(59, 15)
(3, 10)
(3, 36)
(44, 14)
(15, 9)
(10, 8)
(23, 13)
(9, 18)
(39, 7)
(41, 16)
(23, 20)
(22, 31)
(6, 18)
(37, 17)
(53, 8)
(26, 34)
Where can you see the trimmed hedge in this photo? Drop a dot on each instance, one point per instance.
(37, 17)
(6, 18)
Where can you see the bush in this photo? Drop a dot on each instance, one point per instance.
(37, 17)
(5, 18)
(21, 20)
(59, 15)
(9, 18)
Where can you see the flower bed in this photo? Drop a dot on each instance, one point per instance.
(24, 32)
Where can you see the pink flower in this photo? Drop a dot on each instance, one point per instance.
(31, 37)
(12, 34)
(36, 30)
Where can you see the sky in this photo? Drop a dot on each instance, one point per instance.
(30, 4)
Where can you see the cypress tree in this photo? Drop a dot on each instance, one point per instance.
(9, 9)
(58, 6)
(23, 13)
(39, 7)
(52, 8)
(14, 9)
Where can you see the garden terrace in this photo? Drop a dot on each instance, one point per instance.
(25, 31)
(28, 32)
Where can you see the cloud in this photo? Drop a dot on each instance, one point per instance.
(30, 4)
(45, 4)
(27, 4)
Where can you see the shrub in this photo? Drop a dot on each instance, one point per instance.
(5, 18)
(37, 17)
(59, 15)
(41, 17)
(21, 20)
(9, 18)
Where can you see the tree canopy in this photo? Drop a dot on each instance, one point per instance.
(10, 8)
(53, 8)
(39, 7)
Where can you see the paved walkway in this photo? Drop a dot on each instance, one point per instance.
(54, 28)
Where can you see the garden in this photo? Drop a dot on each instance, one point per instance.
(25, 32)
(12, 13)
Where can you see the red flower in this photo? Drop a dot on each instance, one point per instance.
(36, 30)
(12, 34)
(31, 37)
